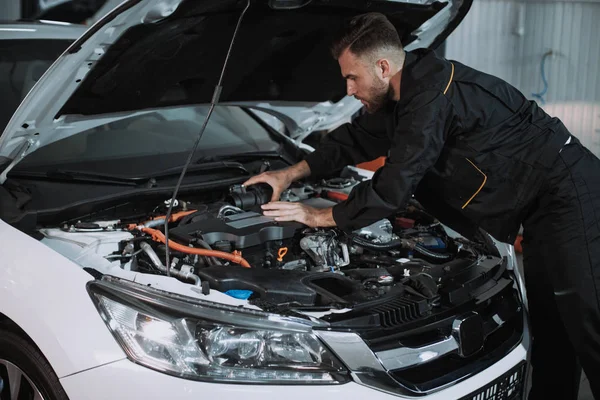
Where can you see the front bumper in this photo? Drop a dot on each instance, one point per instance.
(126, 380)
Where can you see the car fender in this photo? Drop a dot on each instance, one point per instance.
(45, 294)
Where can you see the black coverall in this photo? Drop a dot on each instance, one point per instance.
(476, 153)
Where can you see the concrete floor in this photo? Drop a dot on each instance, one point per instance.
(584, 388)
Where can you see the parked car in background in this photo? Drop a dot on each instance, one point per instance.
(93, 306)
(72, 11)
(27, 49)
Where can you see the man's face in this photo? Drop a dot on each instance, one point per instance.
(363, 81)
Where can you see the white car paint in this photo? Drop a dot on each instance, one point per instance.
(303, 119)
(34, 120)
(88, 249)
(34, 124)
(125, 380)
(40, 30)
(50, 303)
(45, 294)
(42, 282)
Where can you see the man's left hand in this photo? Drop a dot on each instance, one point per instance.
(286, 211)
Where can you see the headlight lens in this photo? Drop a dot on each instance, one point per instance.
(202, 349)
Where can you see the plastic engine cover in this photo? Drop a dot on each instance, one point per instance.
(284, 286)
(245, 230)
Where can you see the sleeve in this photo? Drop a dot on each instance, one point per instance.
(417, 143)
(363, 140)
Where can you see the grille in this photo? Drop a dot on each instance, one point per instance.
(510, 386)
(384, 313)
(449, 368)
(397, 312)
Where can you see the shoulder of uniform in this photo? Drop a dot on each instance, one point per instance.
(427, 71)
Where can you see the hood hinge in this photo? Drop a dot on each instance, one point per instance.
(21, 152)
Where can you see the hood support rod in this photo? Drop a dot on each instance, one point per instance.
(214, 101)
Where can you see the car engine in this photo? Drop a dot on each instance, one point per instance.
(228, 245)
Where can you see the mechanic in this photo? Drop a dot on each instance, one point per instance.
(475, 153)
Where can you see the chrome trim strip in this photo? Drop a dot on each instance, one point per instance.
(365, 368)
(373, 370)
(352, 350)
(404, 357)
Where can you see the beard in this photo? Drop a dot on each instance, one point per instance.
(379, 94)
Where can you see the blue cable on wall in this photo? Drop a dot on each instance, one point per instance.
(541, 94)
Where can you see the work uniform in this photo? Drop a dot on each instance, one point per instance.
(476, 153)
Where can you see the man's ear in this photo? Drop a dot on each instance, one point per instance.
(384, 68)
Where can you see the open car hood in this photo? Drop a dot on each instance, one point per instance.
(302, 119)
(147, 54)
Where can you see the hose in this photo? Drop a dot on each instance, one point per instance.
(189, 217)
(378, 246)
(146, 248)
(160, 220)
(158, 236)
(426, 252)
(228, 207)
(211, 260)
(398, 243)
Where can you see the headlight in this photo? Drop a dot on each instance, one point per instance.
(199, 340)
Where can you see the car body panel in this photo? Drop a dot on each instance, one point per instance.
(45, 294)
(126, 380)
(40, 30)
(36, 112)
(42, 116)
(43, 288)
(24, 35)
(303, 119)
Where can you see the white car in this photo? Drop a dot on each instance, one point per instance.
(27, 49)
(93, 306)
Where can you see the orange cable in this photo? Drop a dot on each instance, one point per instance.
(235, 257)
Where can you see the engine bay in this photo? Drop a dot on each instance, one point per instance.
(407, 262)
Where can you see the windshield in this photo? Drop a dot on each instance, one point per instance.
(22, 64)
(154, 141)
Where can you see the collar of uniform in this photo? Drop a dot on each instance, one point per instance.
(406, 82)
(423, 70)
(409, 59)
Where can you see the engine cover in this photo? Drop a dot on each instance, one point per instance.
(244, 230)
(282, 286)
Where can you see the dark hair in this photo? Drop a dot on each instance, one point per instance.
(365, 33)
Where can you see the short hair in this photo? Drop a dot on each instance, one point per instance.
(367, 33)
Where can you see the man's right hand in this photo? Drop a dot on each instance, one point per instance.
(281, 180)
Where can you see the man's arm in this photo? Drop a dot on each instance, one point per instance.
(418, 140)
(365, 139)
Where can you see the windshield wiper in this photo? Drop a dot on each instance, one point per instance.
(255, 155)
(78, 176)
(212, 165)
(149, 181)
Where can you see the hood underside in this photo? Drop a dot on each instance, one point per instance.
(150, 54)
(278, 55)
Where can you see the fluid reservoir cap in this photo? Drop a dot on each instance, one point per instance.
(239, 294)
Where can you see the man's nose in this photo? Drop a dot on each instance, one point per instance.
(350, 89)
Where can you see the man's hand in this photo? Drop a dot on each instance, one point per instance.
(313, 217)
(281, 180)
(278, 180)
